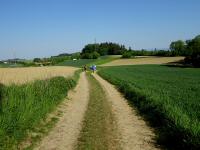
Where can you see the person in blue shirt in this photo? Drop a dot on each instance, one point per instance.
(93, 68)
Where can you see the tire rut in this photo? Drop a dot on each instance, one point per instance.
(134, 132)
(65, 134)
(98, 130)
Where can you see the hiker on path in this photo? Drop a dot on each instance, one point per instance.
(93, 68)
(85, 68)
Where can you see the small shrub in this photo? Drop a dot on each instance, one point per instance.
(127, 54)
(93, 55)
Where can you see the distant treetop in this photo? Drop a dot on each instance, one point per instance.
(107, 48)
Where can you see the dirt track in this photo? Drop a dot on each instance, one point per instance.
(132, 131)
(135, 134)
(66, 132)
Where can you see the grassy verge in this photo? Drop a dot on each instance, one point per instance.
(38, 132)
(24, 106)
(98, 130)
(167, 96)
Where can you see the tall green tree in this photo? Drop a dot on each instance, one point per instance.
(104, 49)
(178, 48)
(193, 46)
(90, 48)
(193, 51)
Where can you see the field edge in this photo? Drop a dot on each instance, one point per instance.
(167, 133)
(54, 90)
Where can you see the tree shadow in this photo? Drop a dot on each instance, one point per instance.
(179, 64)
(168, 136)
(154, 121)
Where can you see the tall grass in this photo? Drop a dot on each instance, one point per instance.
(24, 106)
(169, 97)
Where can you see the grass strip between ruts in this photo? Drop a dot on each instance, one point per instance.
(98, 130)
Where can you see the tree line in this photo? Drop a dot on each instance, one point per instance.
(57, 59)
(189, 48)
(93, 51)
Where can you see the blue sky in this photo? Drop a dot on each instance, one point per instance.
(41, 28)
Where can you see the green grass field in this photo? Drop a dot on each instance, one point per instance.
(169, 96)
(77, 63)
(81, 62)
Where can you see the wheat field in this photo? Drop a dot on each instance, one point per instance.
(144, 60)
(23, 75)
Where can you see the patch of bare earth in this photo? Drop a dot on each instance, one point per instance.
(144, 60)
(135, 134)
(65, 134)
(23, 75)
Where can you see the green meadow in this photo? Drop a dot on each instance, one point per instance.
(81, 62)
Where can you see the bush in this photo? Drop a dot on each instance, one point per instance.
(37, 60)
(93, 55)
(127, 55)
